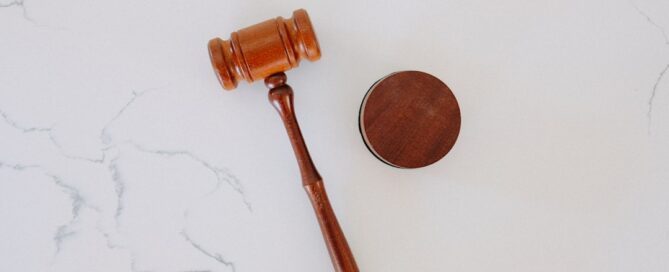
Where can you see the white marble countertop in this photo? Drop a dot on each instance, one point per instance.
(119, 151)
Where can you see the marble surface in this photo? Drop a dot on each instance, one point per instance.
(119, 151)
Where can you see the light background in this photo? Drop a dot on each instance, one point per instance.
(119, 151)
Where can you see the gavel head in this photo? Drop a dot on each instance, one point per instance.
(258, 51)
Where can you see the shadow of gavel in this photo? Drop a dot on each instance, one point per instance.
(265, 51)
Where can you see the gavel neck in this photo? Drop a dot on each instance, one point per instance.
(281, 97)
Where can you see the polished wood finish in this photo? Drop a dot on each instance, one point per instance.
(265, 51)
(409, 119)
(281, 97)
(255, 52)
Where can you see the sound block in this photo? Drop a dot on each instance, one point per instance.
(409, 119)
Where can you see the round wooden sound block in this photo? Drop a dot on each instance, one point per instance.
(409, 119)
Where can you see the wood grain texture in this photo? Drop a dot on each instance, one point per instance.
(281, 97)
(264, 51)
(260, 50)
(409, 119)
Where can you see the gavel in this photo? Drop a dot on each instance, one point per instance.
(265, 51)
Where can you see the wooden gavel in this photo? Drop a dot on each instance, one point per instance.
(265, 51)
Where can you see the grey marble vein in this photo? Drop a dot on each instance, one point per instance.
(653, 92)
(108, 239)
(22, 128)
(78, 202)
(21, 4)
(105, 137)
(65, 230)
(650, 20)
(660, 76)
(119, 187)
(18, 167)
(68, 230)
(49, 131)
(98, 160)
(222, 175)
(216, 256)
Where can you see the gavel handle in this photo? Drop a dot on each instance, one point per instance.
(281, 97)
